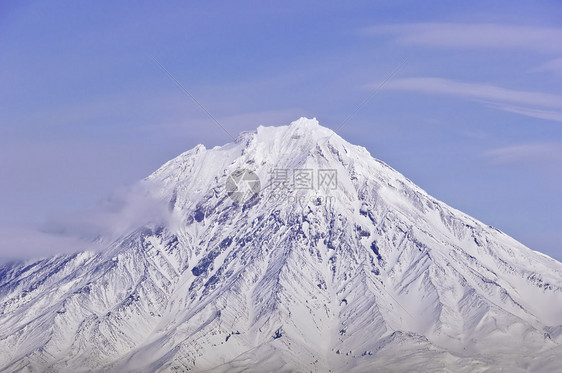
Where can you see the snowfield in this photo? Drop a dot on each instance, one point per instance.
(379, 277)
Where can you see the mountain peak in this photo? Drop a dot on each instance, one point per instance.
(303, 129)
(304, 122)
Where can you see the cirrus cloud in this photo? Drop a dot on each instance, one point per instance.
(518, 153)
(472, 35)
(510, 100)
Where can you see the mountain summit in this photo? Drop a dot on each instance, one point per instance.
(289, 250)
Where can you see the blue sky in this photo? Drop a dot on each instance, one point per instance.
(474, 117)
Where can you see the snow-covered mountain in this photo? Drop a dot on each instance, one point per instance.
(338, 263)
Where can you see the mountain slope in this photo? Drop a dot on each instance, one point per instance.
(371, 274)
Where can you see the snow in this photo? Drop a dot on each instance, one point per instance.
(380, 276)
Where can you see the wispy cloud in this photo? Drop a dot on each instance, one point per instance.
(92, 229)
(510, 100)
(471, 35)
(535, 113)
(554, 66)
(524, 153)
(27, 242)
(123, 211)
(476, 90)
